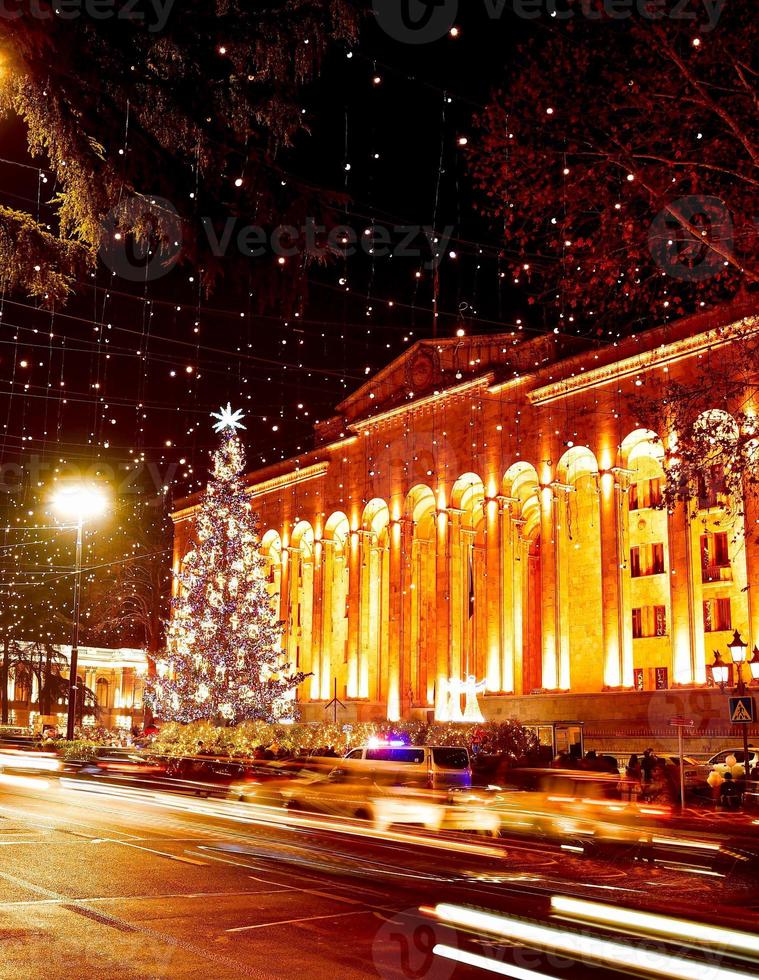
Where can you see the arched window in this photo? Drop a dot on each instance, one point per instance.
(101, 692)
(22, 687)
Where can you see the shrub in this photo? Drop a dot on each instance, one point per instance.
(492, 738)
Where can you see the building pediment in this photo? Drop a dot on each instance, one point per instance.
(436, 366)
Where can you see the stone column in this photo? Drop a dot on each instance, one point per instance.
(354, 605)
(493, 598)
(328, 573)
(285, 599)
(394, 645)
(314, 682)
(549, 589)
(442, 613)
(687, 621)
(751, 544)
(457, 585)
(509, 680)
(617, 612)
(409, 648)
(518, 578)
(364, 599)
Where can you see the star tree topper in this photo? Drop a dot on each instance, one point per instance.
(227, 419)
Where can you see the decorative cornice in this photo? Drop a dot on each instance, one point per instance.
(446, 393)
(313, 472)
(646, 361)
(288, 479)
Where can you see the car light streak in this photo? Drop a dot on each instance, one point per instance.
(582, 946)
(9, 779)
(697, 932)
(258, 813)
(684, 842)
(39, 761)
(486, 963)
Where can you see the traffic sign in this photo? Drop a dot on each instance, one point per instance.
(681, 722)
(742, 710)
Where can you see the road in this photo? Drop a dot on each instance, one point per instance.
(121, 884)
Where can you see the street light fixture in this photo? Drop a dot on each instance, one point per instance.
(738, 650)
(754, 664)
(719, 670)
(738, 647)
(78, 503)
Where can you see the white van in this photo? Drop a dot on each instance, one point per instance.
(431, 766)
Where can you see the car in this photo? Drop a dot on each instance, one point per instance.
(693, 770)
(202, 776)
(350, 791)
(718, 762)
(262, 781)
(116, 765)
(430, 766)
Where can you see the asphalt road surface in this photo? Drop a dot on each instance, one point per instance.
(116, 884)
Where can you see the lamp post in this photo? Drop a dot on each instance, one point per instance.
(78, 503)
(737, 648)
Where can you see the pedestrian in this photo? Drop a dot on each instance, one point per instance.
(714, 780)
(634, 770)
(647, 764)
(730, 793)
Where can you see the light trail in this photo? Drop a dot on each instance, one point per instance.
(487, 963)
(584, 947)
(678, 929)
(247, 813)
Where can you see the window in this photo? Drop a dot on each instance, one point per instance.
(645, 493)
(646, 559)
(412, 756)
(711, 486)
(450, 758)
(101, 692)
(715, 557)
(717, 615)
(649, 621)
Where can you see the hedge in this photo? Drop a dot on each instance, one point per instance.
(493, 738)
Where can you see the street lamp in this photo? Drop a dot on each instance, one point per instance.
(77, 503)
(737, 647)
(738, 651)
(719, 670)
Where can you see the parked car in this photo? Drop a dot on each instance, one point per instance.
(429, 766)
(719, 762)
(694, 774)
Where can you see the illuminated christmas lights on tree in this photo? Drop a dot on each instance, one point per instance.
(224, 659)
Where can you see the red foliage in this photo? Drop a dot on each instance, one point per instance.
(622, 158)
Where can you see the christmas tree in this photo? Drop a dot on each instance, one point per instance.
(223, 660)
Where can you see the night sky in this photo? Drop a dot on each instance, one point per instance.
(395, 114)
(118, 383)
(123, 388)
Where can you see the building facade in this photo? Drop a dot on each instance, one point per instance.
(488, 507)
(115, 676)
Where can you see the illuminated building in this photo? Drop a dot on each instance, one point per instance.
(115, 677)
(488, 506)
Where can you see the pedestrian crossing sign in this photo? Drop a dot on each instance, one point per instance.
(741, 710)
